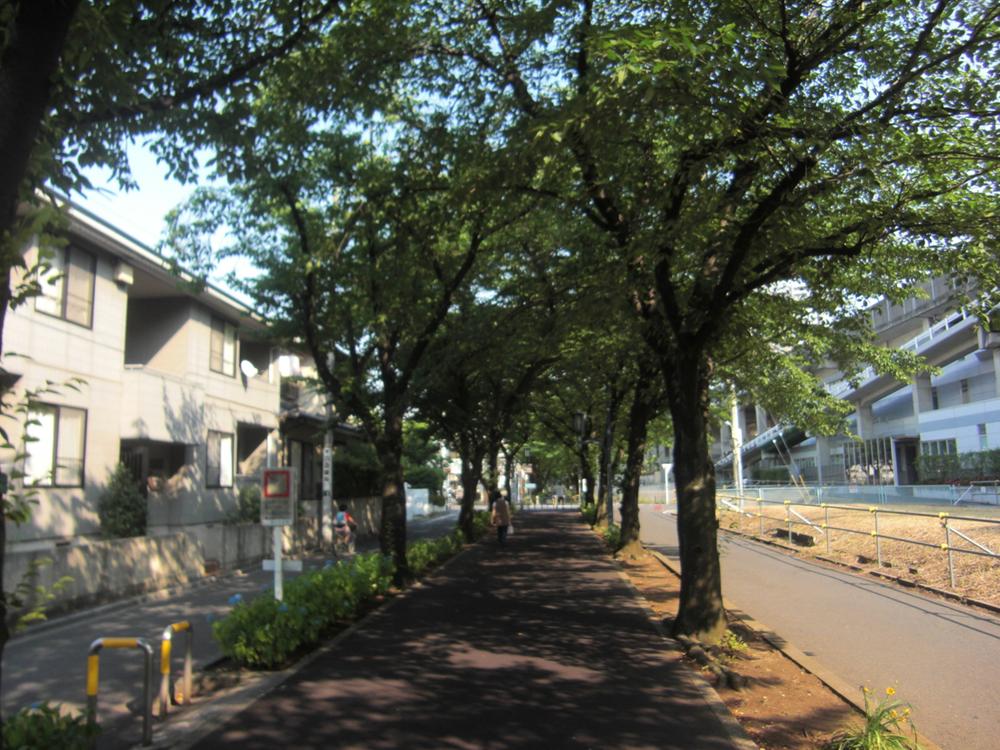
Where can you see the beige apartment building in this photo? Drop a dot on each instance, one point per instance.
(181, 384)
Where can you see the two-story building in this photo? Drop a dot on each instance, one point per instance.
(136, 364)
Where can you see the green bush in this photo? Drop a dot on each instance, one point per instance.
(267, 634)
(589, 513)
(122, 508)
(247, 505)
(481, 524)
(43, 727)
(613, 537)
(425, 554)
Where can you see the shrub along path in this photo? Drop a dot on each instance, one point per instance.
(539, 644)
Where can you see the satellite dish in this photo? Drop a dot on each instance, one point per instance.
(247, 368)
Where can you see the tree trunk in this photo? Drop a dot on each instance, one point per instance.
(701, 614)
(472, 469)
(492, 472)
(645, 406)
(34, 44)
(605, 515)
(392, 530)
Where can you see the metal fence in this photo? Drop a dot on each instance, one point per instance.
(753, 507)
(978, 493)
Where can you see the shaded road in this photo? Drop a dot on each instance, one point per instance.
(49, 664)
(540, 645)
(944, 659)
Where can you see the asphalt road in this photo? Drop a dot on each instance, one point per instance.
(540, 644)
(49, 664)
(942, 658)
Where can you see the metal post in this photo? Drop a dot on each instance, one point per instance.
(93, 678)
(788, 519)
(878, 539)
(947, 548)
(165, 648)
(277, 544)
(826, 525)
(760, 515)
(737, 437)
(326, 501)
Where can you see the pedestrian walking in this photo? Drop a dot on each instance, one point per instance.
(501, 517)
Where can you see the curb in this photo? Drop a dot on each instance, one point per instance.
(187, 727)
(838, 686)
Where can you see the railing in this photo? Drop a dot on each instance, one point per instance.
(93, 679)
(793, 518)
(839, 388)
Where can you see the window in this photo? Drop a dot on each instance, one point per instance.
(983, 439)
(934, 398)
(938, 447)
(219, 463)
(67, 288)
(222, 356)
(55, 443)
(965, 391)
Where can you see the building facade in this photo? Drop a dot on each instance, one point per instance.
(128, 362)
(954, 411)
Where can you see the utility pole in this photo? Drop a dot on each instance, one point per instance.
(737, 449)
(326, 509)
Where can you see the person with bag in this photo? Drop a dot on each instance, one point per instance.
(501, 517)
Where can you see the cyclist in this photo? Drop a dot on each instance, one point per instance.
(343, 527)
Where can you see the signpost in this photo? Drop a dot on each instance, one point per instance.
(277, 509)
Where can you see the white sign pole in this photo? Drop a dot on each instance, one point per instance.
(278, 591)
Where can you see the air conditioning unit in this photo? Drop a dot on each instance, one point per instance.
(123, 273)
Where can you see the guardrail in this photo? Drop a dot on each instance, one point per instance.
(794, 518)
(165, 648)
(93, 680)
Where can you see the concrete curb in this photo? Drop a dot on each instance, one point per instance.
(188, 726)
(847, 693)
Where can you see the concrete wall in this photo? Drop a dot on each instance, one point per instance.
(104, 571)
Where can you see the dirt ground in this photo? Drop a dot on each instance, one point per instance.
(925, 562)
(783, 707)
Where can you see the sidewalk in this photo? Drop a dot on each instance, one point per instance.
(48, 662)
(540, 644)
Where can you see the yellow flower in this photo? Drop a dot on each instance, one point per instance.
(906, 712)
(895, 714)
(890, 691)
(866, 689)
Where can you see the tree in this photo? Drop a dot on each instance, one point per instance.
(79, 79)
(736, 154)
(363, 247)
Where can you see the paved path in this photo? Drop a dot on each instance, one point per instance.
(539, 645)
(49, 664)
(944, 659)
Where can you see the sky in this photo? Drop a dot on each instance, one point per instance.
(140, 212)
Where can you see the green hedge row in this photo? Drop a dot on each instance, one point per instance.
(961, 467)
(267, 634)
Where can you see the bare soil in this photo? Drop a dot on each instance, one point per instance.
(925, 562)
(783, 707)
